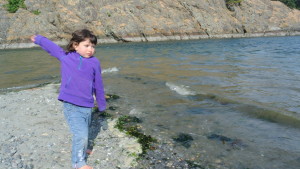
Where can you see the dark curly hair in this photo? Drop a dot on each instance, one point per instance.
(79, 36)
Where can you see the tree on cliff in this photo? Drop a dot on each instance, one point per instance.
(291, 3)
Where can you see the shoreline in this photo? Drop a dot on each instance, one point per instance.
(111, 40)
(36, 135)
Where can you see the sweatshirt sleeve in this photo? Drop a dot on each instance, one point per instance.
(99, 89)
(50, 47)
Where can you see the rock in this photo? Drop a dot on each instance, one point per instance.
(219, 137)
(233, 143)
(122, 20)
(184, 139)
(13, 152)
(218, 161)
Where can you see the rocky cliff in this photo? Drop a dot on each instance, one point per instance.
(136, 20)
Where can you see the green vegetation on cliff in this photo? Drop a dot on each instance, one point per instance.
(14, 5)
(291, 3)
(232, 2)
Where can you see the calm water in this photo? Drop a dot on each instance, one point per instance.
(244, 92)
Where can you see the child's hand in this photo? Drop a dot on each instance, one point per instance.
(32, 38)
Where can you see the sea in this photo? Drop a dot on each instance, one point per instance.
(238, 100)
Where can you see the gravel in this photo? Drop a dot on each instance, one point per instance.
(34, 134)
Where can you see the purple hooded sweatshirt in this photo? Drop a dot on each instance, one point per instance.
(80, 77)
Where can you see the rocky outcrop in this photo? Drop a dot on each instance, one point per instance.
(135, 20)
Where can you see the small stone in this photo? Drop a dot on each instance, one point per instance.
(104, 125)
(29, 166)
(13, 152)
(169, 164)
(14, 165)
(18, 161)
(20, 165)
(218, 161)
(45, 134)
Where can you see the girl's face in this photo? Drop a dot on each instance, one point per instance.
(85, 48)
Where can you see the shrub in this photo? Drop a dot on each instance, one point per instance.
(291, 3)
(36, 12)
(14, 5)
(233, 2)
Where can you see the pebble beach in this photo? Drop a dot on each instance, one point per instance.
(34, 134)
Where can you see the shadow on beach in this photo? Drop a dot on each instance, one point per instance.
(98, 121)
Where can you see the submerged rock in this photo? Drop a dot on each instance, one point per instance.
(234, 143)
(184, 139)
(112, 108)
(193, 164)
(219, 137)
(111, 97)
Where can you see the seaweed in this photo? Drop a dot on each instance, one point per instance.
(128, 124)
(103, 114)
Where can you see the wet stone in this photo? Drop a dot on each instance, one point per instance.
(184, 139)
(12, 152)
(111, 97)
(233, 143)
(219, 137)
(112, 108)
(20, 165)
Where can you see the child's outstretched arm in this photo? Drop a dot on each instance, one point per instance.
(49, 46)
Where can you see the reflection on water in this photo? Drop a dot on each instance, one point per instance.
(22, 67)
(244, 90)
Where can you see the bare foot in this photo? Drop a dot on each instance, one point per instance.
(86, 167)
(89, 152)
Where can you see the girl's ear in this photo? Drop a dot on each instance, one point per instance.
(75, 44)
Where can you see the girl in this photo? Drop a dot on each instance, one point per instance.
(80, 80)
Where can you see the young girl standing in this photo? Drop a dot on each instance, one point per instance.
(80, 80)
